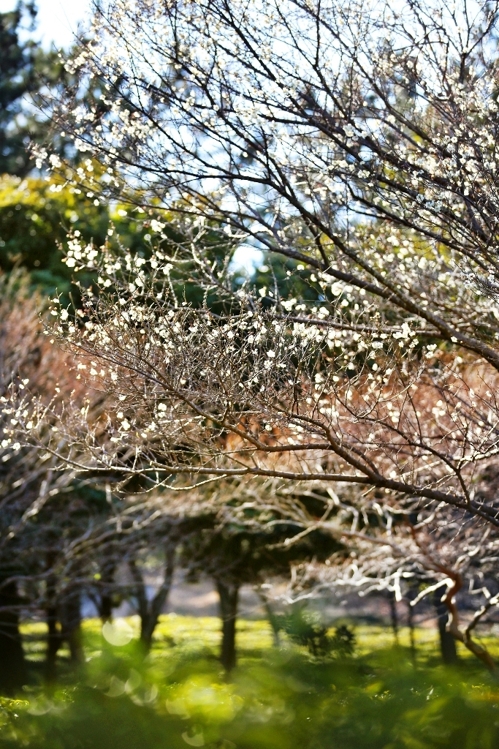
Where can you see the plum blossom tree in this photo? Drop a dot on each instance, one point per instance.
(357, 142)
(253, 392)
(363, 148)
(193, 396)
(435, 555)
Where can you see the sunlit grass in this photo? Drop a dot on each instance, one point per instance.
(193, 636)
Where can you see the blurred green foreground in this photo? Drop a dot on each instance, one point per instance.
(276, 698)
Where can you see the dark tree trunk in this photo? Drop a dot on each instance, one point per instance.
(140, 593)
(54, 638)
(105, 599)
(158, 602)
(410, 624)
(447, 642)
(70, 613)
(54, 642)
(394, 620)
(13, 665)
(106, 608)
(228, 593)
(150, 611)
(271, 617)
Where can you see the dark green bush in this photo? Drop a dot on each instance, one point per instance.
(306, 628)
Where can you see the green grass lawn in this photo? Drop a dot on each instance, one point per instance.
(190, 636)
(276, 698)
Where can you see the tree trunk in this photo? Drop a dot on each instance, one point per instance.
(150, 611)
(447, 641)
(159, 600)
(228, 593)
(410, 624)
(271, 617)
(106, 608)
(54, 638)
(71, 626)
(105, 600)
(394, 620)
(13, 665)
(54, 642)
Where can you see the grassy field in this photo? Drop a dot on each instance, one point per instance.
(276, 698)
(190, 636)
